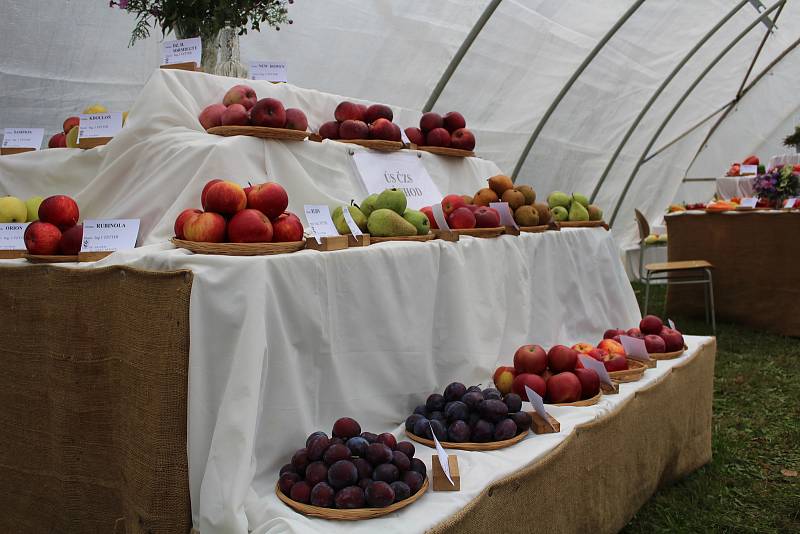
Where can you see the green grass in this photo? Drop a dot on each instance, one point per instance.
(756, 435)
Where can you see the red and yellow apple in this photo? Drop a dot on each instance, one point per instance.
(249, 226)
(503, 379)
(240, 94)
(612, 347)
(225, 197)
(182, 218)
(207, 227)
(450, 203)
(269, 198)
(211, 116)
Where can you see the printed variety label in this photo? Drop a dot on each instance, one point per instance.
(271, 71)
(182, 51)
(108, 235)
(99, 125)
(748, 202)
(23, 138)
(318, 217)
(11, 236)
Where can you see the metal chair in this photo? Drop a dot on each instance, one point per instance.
(644, 232)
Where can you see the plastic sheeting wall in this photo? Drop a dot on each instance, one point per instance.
(57, 57)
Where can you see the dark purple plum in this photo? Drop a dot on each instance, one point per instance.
(474, 388)
(513, 402)
(435, 403)
(505, 429)
(364, 482)
(493, 410)
(522, 420)
(313, 436)
(411, 419)
(387, 439)
(437, 416)
(363, 467)
(337, 441)
(483, 432)
(454, 391)
(300, 460)
(342, 474)
(458, 432)
(492, 393)
(379, 494)
(349, 497)
(413, 480)
(336, 452)
(455, 411)
(288, 468)
(286, 482)
(386, 472)
(322, 495)
(472, 399)
(421, 410)
(317, 447)
(474, 417)
(346, 428)
(369, 436)
(439, 429)
(406, 447)
(316, 472)
(422, 429)
(301, 492)
(401, 461)
(378, 453)
(418, 466)
(358, 446)
(401, 490)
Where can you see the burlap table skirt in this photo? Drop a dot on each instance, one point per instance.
(93, 382)
(606, 470)
(756, 260)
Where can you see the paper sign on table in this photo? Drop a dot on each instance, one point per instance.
(537, 402)
(11, 236)
(182, 51)
(790, 203)
(99, 125)
(506, 217)
(402, 171)
(440, 452)
(108, 235)
(319, 221)
(271, 71)
(23, 138)
(635, 348)
(748, 202)
(439, 217)
(748, 169)
(354, 229)
(599, 368)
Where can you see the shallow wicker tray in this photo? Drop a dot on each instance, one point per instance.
(348, 515)
(443, 151)
(469, 446)
(374, 144)
(583, 224)
(39, 258)
(668, 355)
(480, 232)
(12, 254)
(259, 131)
(634, 372)
(373, 239)
(239, 249)
(537, 229)
(584, 402)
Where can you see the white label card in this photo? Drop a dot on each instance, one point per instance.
(104, 235)
(590, 363)
(748, 169)
(537, 402)
(354, 229)
(271, 71)
(790, 203)
(11, 236)
(748, 202)
(319, 221)
(506, 217)
(439, 217)
(404, 138)
(182, 51)
(402, 171)
(635, 348)
(23, 138)
(443, 460)
(671, 324)
(100, 125)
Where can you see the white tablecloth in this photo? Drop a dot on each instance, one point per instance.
(735, 186)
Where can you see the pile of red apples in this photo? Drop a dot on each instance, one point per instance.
(446, 131)
(658, 338)
(59, 140)
(57, 231)
(233, 214)
(462, 215)
(241, 107)
(357, 121)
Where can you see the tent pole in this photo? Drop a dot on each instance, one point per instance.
(697, 125)
(564, 90)
(758, 51)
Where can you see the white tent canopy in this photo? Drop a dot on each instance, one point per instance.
(593, 66)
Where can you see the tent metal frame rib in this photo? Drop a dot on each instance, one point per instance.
(460, 53)
(646, 108)
(698, 124)
(567, 86)
(683, 98)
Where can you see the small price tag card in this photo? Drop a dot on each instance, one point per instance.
(404, 138)
(354, 229)
(11, 236)
(23, 138)
(439, 217)
(271, 71)
(599, 368)
(444, 461)
(790, 203)
(318, 217)
(182, 51)
(671, 324)
(109, 235)
(99, 125)
(537, 402)
(635, 348)
(748, 169)
(506, 217)
(748, 202)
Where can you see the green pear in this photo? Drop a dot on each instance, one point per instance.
(392, 199)
(577, 212)
(559, 213)
(582, 199)
(341, 224)
(368, 205)
(557, 198)
(386, 223)
(419, 220)
(33, 208)
(595, 213)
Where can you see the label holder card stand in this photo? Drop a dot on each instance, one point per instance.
(439, 479)
(191, 66)
(328, 244)
(358, 240)
(550, 425)
(10, 151)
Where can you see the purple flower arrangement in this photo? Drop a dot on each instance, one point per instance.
(779, 184)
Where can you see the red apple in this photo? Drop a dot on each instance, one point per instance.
(634, 332)
(329, 130)
(615, 362)
(349, 111)
(225, 197)
(619, 339)
(583, 348)
(563, 387)
(235, 115)
(430, 121)
(438, 137)
(673, 340)
(270, 199)
(268, 112)
(654, 344)
(450, 203)
(415, 136)
(503, 378)
(378, 111)
(249, 226)
(70, 243)
(296, 120)
(182, 218)
(397, 135)
(485, 217)
(461, 219)
(42, 238)
(611, 346)
(609, 334)
(240, 94)
(462, 139)
(59, 210)
(287, 227)
(352, 129)
(474, 208)
(598, 354)
(533, 381)
(207, 227)
(205, 191)
(530, 359)
(590, 382)
(561, 358)
(453, 120)
(211, 116)
(651, 325)
(383, 129)
(428, 211)
(58, 140)
(70, 123)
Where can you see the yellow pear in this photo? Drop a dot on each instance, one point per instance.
(95, 108)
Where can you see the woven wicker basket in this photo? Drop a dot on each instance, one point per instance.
(482, 232)
(348, 515)
(12, 254)
(263, 132)
(374, 144)
(443, 151)
(38, 258)
(535, 229)
(239, 249)
(668, 355)
(585, 402)
(634, 372)
(491, 446)
(583, 224)
(428, 237)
